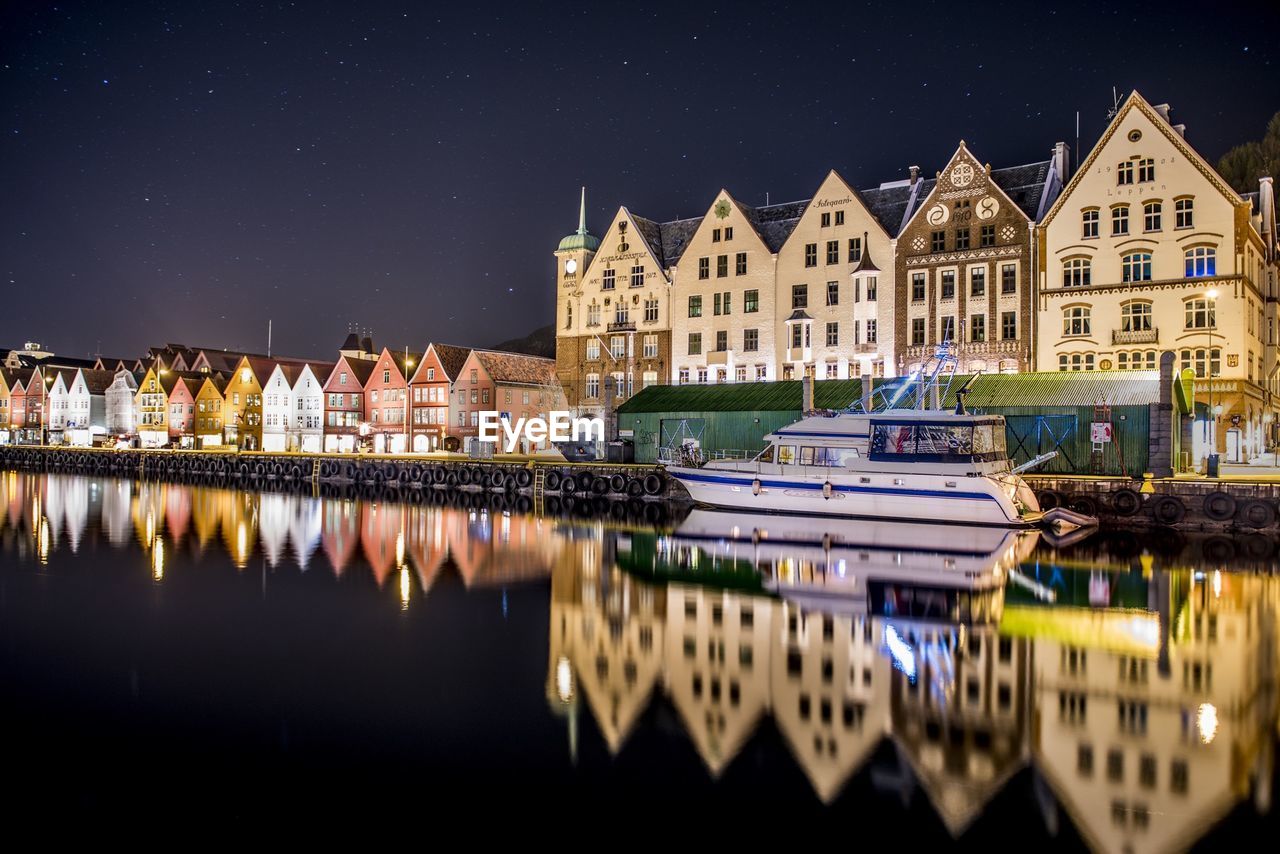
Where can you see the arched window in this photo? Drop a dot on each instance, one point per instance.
(1076, 272)
(1201, 314)
(1075, 362)
(1076, 320)
(1136, 267)
(1184, 213)
(1089, 223)
(1151, 216)
(1201, 261)
(1135, 316)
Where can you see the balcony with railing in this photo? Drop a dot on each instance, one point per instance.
(623, 326)
(1135, 336)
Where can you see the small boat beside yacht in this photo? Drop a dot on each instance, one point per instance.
(902, 463)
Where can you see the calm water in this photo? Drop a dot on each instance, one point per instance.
(188, 651)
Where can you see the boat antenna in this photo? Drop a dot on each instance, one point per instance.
(964, 390)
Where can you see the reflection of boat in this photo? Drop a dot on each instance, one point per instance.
(897, 463)
(906, 569)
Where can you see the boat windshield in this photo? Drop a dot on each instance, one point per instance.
(937, 441)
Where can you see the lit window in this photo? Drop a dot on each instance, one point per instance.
(1201, 261)
(1136, 267)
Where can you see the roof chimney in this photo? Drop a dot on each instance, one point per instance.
(1181, 129)
(1163, 110)
(366, 344)
(1267, 210)
(1062, 161)
(914, 172)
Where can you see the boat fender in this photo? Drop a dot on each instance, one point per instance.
(755, 486)
(826, 489)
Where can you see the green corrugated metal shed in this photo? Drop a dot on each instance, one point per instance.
(1043, 411)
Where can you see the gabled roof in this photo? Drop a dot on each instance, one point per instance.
(1136, 102)
(451, 358)
(193, 382)
(894, 202)
(517, 368)
(361, 369)
(218, 381)
(1026, 186)
(97, 382)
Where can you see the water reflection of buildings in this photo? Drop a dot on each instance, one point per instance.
(45, 513)
(1144, 700)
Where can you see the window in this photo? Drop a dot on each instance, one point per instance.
(938, 241)
(1136, 267)
(833, 371)
(917, 331)
(593, 349)
(833, 251)
(621, 313)
(800, 335)
(1075, 362)
(871, 288)
(978, 327)
(1008, 326)
(651, 310)
(715, 235)
(855, 250)
(833, 334)
(722, 266)
(811, 254)
(978, 282)
(1151, 216)
(1201, 314)
(386, 375)
(593, 314)
(725, 299)
(651, 346)
(637, 276)
(987, 236)
(342, 378)
(740, 264)
(1089, 223)
(715, 307)
(1076, 272)
(740, 374)
(1124, 173)
(1184, 213)
(618, 347)
(751, 340)
(684, 376)
(722, 341)
(702, 375)
(1120, 219)
(609, 280)
(1076, 321)
(695, 306)
(826, 220)
(650, 378)
(1201, 261)
(839, 217)
(962, 238)
(751, 301)
(1135, 317)
(1009, 278)
(1147, 169)
(728, 233)
(762, 373)
(799, 296)
(1202, 360)
(948, 284)
(948, 328)
(871, 332)
(695, 343)
(917, 287)
(593, 385)
(833, 293)
(704, 268)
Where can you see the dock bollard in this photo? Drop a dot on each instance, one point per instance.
(1147, 488)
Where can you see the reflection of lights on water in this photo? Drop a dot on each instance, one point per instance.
(157, 560)
(564, 680)
(1142, 629)
(1217, 583)
(242, 544)
(903, 656)
(42, 540)
(405, 588)
(400, 547)
(1207, 722)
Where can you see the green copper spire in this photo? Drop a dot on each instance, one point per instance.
(581, 239)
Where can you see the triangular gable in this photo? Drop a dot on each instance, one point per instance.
(833, 186)
(623, 247)
(962, 154)
(1136, 102)
(718, 214)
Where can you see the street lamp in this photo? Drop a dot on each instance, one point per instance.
(408, 363)
(1211, 316)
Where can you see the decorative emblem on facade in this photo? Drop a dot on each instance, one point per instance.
(722, 209)
(962, 175)
(937, 215)
(918, 244)
(988, 207)
(1007, 233)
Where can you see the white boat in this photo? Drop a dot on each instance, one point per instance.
(898, 463)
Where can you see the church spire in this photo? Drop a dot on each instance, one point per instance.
(580, 239)
(582, 213)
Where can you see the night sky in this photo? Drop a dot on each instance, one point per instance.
(183, 171)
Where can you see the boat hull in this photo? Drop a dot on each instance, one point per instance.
(907, 497)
